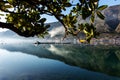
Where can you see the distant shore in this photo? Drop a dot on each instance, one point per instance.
(94, 41)
(105, 41)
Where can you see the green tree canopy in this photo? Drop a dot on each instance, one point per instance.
(24, 16)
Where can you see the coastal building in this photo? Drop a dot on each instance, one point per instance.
(94, 41)
(117, 41)
(112, 41)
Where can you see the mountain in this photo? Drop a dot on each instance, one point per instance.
(118, 28)
(8, 33)
(112, 16)
(109, 25)
(54, 25)
(112, 19)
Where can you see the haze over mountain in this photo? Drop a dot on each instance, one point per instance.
(8, 33)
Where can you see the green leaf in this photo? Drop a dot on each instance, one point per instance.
(41, 35)
(47, 26)
(55, 0)
(102, 7)
(43, 20)
(67, 5)
(8, 6)
(82, 1)
(96, 0)
(92, 6)
(100, 15)
(10, 1)
(1, 14)
(85, 13)
(68, 0)
(24, 29)
(92, 19)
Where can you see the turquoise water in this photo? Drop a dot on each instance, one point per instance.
(25, 61)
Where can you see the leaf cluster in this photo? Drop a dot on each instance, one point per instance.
(25, 15)
(88, 10)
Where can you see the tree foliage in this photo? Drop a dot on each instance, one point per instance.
(24, 16)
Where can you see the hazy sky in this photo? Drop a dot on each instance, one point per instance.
(109, 2)
(102, 2)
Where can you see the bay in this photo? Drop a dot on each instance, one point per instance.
(26, 61)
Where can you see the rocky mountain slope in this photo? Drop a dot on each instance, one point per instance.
(112, 20)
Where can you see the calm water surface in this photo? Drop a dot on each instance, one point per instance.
(25, 61)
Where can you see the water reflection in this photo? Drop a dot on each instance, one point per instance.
(100, 59)
(46, 62)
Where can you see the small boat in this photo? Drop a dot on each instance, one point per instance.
(37, 42)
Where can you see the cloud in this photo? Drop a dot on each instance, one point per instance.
(57, 31)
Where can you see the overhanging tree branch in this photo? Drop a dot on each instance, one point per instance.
(31, 23)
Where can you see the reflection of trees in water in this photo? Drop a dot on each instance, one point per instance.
(101, 59)
(104, 59)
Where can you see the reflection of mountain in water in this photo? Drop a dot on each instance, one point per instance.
(106, 60)
(103, 59)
